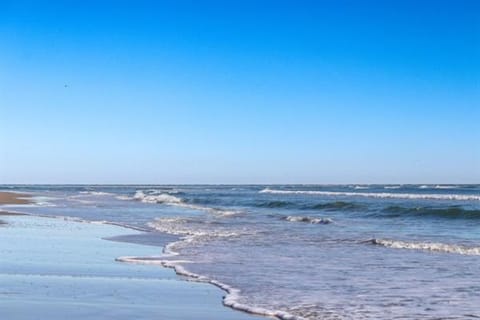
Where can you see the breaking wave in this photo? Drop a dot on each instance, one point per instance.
(157, 198)
(426, 246)
(311, 220)
(168, 199)
(96, 193)
(464, 197)
(196, 229)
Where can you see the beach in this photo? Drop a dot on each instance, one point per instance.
(290, 252)
(53, 268)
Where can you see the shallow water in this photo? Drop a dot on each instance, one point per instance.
(314, 252)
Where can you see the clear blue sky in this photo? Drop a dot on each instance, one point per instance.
(239, 91)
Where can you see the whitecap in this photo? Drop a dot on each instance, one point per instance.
(427, 246)
(311, 220)
(461, 197)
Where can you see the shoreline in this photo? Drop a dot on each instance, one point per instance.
(190, 302)
(228, 300)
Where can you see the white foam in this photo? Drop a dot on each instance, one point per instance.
(392, 187)
(361, 187)
(96, 193)
(445, 187)
(231, 299)
(157, 198)
(462, 197)
(309, 219)
(428, 246)
(194, 230)
(124, 198)
(168, 199)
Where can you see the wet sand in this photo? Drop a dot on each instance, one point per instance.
(58, 269)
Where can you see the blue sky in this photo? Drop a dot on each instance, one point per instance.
(239, 91)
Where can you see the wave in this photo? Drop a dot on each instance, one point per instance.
(168, 199)
(462, 197)
(311, 220)
(157, 198)
(97, 193)
(231, 299)
(173, 225)
(330, 206)
(440, 186)
(336, 205)
(275, 204)
(426, 246)
(233, 295)
(453, 212)
(361, 187)
(392, 187)
(196, 229)
(124, 197)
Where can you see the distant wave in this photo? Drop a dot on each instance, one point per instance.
(453, 212)
(336, 205)
(328, 206)
(361, 187)
(392, 187)
(439, 186)
(311, 220)
(427, 246)
(464, 197)
(96, 193)
(274, 204)
(168, 199)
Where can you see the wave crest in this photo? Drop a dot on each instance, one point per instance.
(427, 246)
(462, 197)
(311, 220)
(168, 199)
(157, 198)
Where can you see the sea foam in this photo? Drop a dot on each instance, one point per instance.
(154, 196)
(311, 220)
(461, 197)
(427, 246)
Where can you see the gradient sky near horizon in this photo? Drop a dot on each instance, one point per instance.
(239, 91)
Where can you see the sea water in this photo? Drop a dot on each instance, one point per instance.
(303, 251)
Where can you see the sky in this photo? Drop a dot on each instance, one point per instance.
(239, 91)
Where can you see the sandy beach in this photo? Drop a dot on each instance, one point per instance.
(14, 198)
(56, 269)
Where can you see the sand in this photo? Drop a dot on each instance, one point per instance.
(14, 198)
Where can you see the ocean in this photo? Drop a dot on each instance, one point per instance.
(300, 251)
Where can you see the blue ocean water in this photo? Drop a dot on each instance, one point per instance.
(304, 251)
